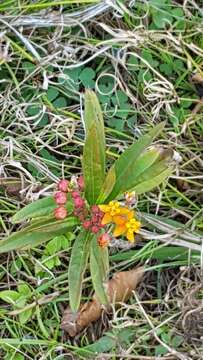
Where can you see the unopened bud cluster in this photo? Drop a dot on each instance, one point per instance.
(91, 218)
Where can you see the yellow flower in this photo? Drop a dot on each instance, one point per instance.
(110, 210)
(126, 226)
(122, 217)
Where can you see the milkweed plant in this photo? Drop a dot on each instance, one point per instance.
(97, 204)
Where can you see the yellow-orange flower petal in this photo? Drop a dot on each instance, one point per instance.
(104, 208)
(130, 214)
(119, 219)
(130, 236)
(124, 211)
(119, 230)
(107, 218)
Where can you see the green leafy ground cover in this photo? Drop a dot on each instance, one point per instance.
(139, 58)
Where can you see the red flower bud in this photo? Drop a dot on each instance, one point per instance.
(79, 202)
(75, 194)
(95, 219)
(86, 224)
(103, 240)
(60, 198)
(63, 185)
(95, 229)
(81, 183)
(95, 209)
(60, 213)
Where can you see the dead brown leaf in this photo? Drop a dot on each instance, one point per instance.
(119, 288)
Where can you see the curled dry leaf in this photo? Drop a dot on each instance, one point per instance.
(119, 288)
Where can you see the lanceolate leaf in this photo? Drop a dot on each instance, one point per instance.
(36, 234)
(149, 184)
(38, 208)
(154, 174)
(99, 270)
(93, 166)
(125, 166)
(93, 114)
(108, 185)
(77, 267)
(94, 160)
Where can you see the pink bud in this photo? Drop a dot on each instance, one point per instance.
(95, 219)
(95, 229)
(95, 209)
(60, 198)
(75, 194)
(100, 214)
(63, 185)
(86, 224)
(60, 213)
(81, 183)
(79, 202)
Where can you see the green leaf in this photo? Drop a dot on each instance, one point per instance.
(92, 167)
(24, 290)
(52, 247)
(146, 169)
(178, 13)
(37, 233)
(177, 340)
(94, 158)
(93, 115)
(49, 263)
(107, 186)
(150, 184)
(99, 269)
(9, 296)
(29, 67)
(86, 76)
(106, 343)
(160, 350)
(41, 207)
(140, 166)
(166, 68)
(52, 93)
(25, 316)
(60, 103)
(161, 18)
(77, 267)
(126, 163)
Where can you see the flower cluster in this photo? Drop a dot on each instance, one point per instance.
(122, 217)
(60, 197)
(91, 218)
(95, 218)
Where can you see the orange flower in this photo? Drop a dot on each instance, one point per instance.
(122, 217)
(127, 226)
(110, 210)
